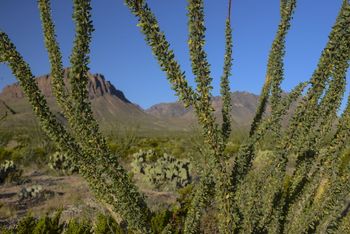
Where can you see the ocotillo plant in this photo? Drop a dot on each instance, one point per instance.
(311, 198)
(84, 143)
(265, 210)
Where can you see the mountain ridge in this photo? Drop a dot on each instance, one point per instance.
(243, 104)
(112, 108)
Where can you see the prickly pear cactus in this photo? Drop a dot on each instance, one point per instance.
(141, 159)
(170, 172)
(61, 162)
(165, 173)
(6, 169)
(34, 191)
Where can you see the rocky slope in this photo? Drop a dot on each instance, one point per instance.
(243, 109)
(110, 106)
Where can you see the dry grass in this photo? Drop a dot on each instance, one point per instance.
(7, 211)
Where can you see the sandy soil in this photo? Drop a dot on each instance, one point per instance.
(69, 193)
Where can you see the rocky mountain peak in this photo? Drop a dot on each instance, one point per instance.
(98, 86)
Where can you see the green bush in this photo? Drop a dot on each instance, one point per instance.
(29, 155)
(9, 172)
(174, 217)
(31, 225)
(231, 149)
(5, 137)
(160, 220)
(26, 225)
(48, 225)
(5, 154)
(76, 227)
(105, 224)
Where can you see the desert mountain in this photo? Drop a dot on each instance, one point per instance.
(110, 106)
(244, 105)
(113, 110)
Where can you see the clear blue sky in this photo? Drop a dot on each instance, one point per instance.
(121, 54)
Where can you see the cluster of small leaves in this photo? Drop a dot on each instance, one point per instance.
(274, 74)
(200, 65)
(202, 198)
(161, 49)
(225, 85)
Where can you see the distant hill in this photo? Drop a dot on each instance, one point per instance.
(113, 110)
(244, 105)
(110, 106)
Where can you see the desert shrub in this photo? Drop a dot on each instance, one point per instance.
(5, 137)
(29, 155)
(18, 156)
(174, 145)
(5, 154)
(179, 147)
(231, 149)
(123, 144)
(160, 220)
(38, 155)
(181, 207)
(9, 172)
(48, 224)
(62, 163)
(5, 231)
(78, 227)
(26, 225)
(151, 144)
(105, 224)
(173, 218)
(44, 225)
